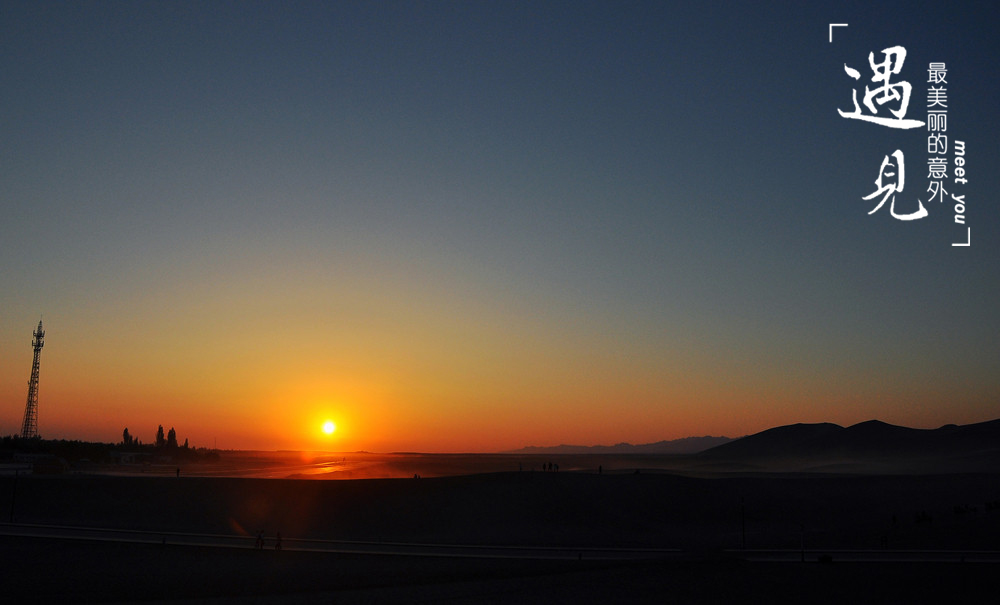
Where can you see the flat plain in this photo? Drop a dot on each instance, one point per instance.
(932, 536)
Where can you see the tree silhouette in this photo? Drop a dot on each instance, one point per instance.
(160, 441)
(172, 439)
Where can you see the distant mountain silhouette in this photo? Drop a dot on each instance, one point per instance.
(687, 445)
(951, 447)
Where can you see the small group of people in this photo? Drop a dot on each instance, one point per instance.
(259, 544)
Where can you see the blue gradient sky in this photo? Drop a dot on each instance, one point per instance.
(477, 226)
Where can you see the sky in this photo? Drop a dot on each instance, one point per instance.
(477, 226)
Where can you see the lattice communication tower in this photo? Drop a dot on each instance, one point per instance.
(29, 428)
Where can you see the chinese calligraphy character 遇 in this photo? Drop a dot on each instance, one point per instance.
(899, 91)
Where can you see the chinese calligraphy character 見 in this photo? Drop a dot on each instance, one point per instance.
(898, 91)
(891, 189)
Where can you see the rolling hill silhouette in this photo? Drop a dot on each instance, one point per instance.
(873, 445)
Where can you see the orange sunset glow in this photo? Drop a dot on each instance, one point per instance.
(392, 395)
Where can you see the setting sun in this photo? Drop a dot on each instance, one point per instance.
(329, 427)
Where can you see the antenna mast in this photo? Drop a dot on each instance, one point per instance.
(29, 429)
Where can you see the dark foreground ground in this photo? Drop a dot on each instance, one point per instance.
(564, 509)
(54, 571)
(708, 520)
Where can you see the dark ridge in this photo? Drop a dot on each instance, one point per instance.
(974, 446)
(776, 442)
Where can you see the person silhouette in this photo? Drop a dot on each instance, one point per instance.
(277, 541)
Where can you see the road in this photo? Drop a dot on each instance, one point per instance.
(869, 555)
(337, 546)
(489, 551)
